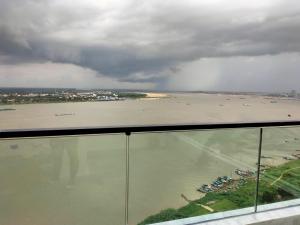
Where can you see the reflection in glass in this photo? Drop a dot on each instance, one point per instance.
(280, 165)
(176, 175)
(70, 145)
(62, 180)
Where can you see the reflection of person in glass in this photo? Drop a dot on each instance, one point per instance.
(69, 144)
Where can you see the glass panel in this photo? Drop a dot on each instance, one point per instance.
(280, 166)
(166, 169)
(65, 180)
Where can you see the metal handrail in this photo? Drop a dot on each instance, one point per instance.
(19, 133)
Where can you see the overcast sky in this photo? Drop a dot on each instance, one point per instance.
(231, 45)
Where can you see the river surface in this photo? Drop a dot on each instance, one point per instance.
(173, 109)
(81, 180)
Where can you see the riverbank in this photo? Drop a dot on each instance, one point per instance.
(156, 95)
(275, 186)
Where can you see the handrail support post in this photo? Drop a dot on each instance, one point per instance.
(258, 168)
(127, 133)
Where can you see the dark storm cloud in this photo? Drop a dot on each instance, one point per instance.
(148, 37)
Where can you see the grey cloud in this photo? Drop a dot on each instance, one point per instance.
(12, 44)
(175, 69)
(146, 37)
(275, 73)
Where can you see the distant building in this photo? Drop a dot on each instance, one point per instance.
(293, 94)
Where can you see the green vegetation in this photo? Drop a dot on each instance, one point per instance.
(286, 187)
(40, 99)
(68, 97)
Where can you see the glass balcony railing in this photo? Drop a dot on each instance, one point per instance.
(280, 165)
(175, 170)
(62, 180)
(147, 175)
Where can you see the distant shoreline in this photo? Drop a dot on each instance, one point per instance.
(67, 97)
(149, 96)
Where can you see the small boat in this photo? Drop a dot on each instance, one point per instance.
(65, 114)
(204, 189)
(244, 173)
